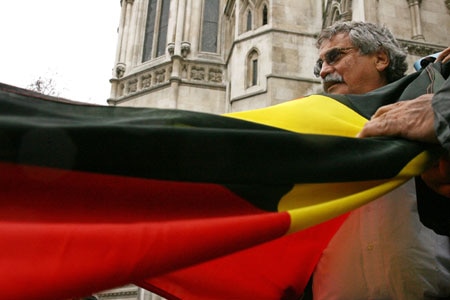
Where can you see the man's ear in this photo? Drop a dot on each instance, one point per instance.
(382, 60)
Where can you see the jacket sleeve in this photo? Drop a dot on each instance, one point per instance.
(441, 107)
(434, 209)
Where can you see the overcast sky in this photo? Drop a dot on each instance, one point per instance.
(72, 42)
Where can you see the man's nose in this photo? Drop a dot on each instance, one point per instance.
(326, 69)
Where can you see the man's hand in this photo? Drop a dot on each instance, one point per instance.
(412, 120)
(444, 56)
(438, 177)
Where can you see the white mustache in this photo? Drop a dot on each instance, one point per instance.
(333, 78)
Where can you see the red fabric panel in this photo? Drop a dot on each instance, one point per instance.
(279, 269)
(66, 234)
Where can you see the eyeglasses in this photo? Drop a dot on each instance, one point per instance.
(331, 57)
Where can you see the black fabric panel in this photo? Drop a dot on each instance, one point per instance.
(186, 146)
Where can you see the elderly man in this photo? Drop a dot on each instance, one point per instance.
(382, 251)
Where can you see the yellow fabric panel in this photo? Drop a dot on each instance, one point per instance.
(315, 114)
(311, 204)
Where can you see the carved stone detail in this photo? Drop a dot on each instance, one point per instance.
(146, 81)
(171, 48)
(419, 49)
(336, 11)
(198, 73)
(184, 71)
(121, 89)
(185, 48)
(190, 72)
(160, 76)
(215, 75)
(132, 86)
(120, 70)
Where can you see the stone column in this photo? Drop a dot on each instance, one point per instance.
(131, 30)
(120, 29)
(358, 10)
(416, 23)
(121, 53)
(177, 58)
(188, 21)
(139, 32)
(238, 25)
(173, 16)
(194, 28)
(181, 12)
(119, 68)
(126, 31)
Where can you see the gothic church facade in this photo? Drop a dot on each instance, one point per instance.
(222, 56)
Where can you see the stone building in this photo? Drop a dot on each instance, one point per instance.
(230, 55)
(222, 56)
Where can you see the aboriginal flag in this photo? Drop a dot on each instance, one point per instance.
(186, 204)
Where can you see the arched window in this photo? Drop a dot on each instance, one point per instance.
(249, 20)
(252, 68)
(156, 29)
(210, 27)
(265, 15)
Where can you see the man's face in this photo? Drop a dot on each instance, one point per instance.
(345, 71)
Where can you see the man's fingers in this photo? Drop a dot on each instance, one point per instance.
(444, 56)
(386, 121)
(384, 109)
(411, 119)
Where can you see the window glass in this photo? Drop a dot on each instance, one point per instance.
(210, 26)
(163, 24)
(265, 15)
(252, 68)
(249, 21)
(255, 72)
(149, 30)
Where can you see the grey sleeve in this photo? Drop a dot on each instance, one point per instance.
(441, 107)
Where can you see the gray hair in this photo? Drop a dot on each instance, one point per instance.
(370, 38)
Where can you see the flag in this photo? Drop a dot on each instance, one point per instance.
(190, 205)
